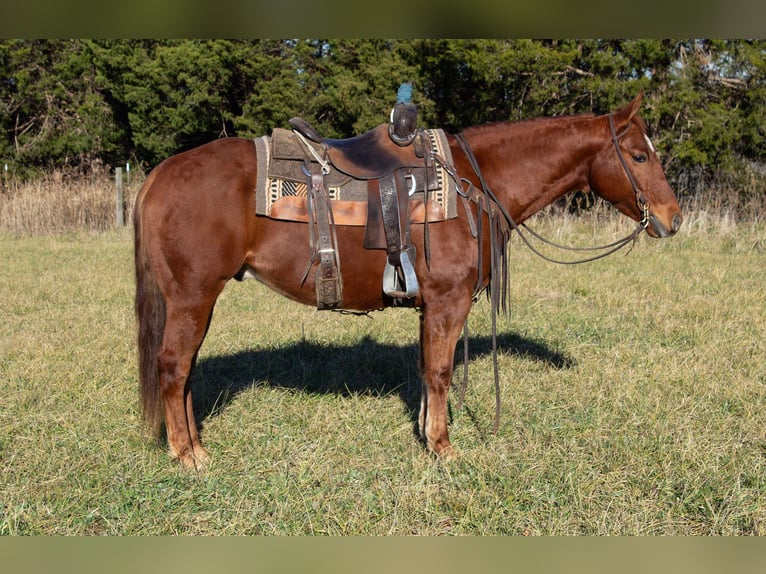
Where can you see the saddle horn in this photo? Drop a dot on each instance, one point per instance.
(404, 117)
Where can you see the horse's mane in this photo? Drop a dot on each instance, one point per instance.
(564, 120)
(520, 124)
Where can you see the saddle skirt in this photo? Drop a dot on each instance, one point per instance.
(282, 185)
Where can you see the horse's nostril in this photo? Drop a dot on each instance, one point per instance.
(676, 225)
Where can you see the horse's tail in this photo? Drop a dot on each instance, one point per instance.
(150, 313)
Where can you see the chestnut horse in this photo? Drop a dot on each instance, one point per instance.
(196, 228)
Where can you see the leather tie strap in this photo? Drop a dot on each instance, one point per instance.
(329, 287)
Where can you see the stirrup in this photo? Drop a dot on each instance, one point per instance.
(391, 283)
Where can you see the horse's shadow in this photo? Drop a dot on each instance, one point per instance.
(363, 368)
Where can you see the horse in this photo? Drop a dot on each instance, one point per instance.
(196, 228)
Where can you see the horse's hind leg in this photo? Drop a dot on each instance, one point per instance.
(185, 328)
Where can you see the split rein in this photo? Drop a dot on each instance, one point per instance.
(607, 249)
(494, 291)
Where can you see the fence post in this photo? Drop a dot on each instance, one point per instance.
(119, 203)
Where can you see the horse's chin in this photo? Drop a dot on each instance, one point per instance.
(658, 230)
(654, 232)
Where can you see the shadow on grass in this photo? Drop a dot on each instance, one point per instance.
(364, 368)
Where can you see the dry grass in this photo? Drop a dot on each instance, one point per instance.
(60, 205)
(633, 401)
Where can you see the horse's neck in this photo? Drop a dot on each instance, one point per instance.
(529, 165)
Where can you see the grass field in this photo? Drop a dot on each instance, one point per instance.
(634, 401)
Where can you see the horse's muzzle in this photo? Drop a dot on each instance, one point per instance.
(659, 230)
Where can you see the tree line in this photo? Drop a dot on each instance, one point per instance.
(71, 104)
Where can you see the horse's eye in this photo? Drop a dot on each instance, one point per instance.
(640, 158)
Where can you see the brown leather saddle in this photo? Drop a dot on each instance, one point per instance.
(394, 168)
(371, 155)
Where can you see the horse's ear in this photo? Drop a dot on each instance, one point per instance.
(623, 116)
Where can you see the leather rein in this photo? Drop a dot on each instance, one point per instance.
(494, 292)
(607, 249)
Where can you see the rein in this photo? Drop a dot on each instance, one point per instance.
(615, 245)
(495, 289)
(611, 247)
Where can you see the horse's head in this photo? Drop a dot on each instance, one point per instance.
(627, 173)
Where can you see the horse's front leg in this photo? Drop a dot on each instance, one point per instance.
(440, 326)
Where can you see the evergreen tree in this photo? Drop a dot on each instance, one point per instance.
(50, 108)
(77, 103)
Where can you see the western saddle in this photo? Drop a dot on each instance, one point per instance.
(395, 161)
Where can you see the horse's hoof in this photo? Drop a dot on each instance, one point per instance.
(201, 457)
(447, 454)
(196, 461)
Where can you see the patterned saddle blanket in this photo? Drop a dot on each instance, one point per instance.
(282, 185)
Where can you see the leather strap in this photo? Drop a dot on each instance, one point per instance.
(391, 218)
(374, 232)
(328, 279)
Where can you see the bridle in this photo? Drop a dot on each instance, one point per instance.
(643, 205)
(494, 294)
(605, 250)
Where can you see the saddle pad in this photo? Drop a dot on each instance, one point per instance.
(284, 196)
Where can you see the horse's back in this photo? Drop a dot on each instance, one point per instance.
(208, 163)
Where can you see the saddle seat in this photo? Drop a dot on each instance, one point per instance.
(371, 155)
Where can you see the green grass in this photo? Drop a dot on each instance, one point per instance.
(634, 401)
